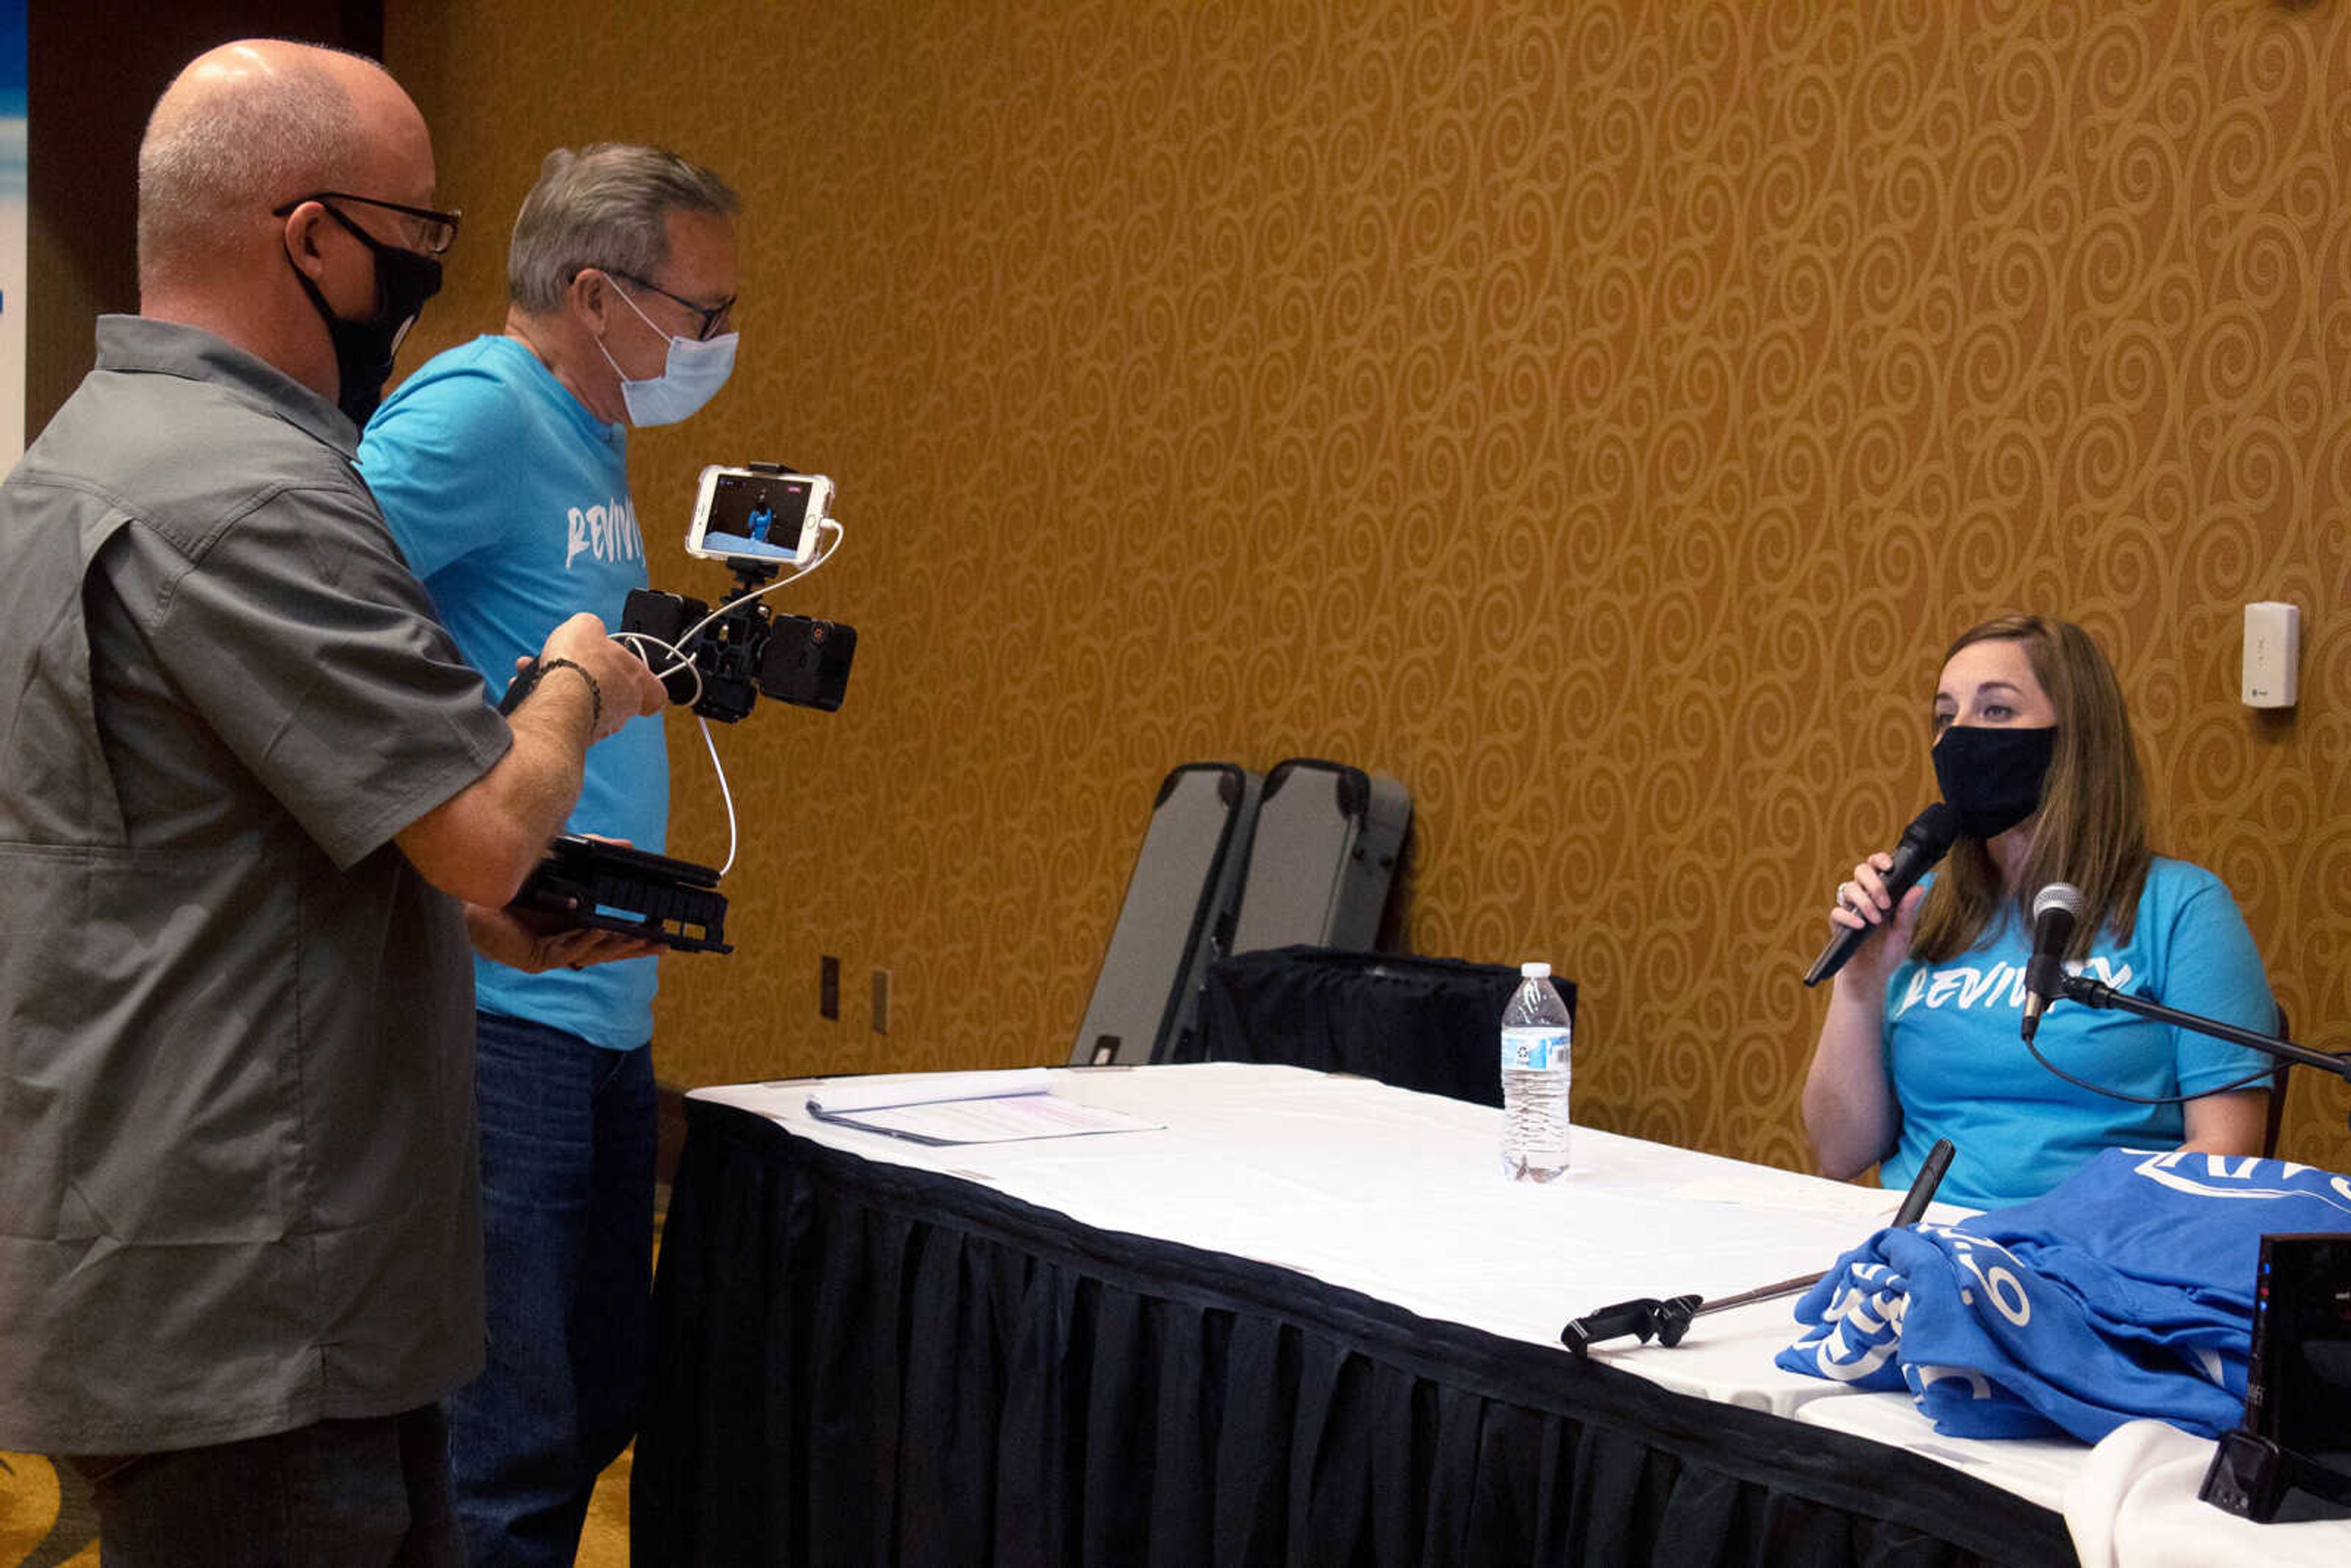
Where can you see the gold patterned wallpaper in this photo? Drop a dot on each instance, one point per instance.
(1597, 416)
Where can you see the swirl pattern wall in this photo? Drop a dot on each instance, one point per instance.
(1600, 421)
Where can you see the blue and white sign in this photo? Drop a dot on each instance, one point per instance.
(14, 223)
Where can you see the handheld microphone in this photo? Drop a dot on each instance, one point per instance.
(2055, 908)
(1926, 840)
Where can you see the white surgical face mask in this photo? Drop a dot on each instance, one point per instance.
(691, 377)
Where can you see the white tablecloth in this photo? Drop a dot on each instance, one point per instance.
(1400, 1196)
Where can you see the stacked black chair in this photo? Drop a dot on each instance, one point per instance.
(1427, 1024)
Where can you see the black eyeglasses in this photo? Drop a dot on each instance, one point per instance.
(711, 317)
(425, 230)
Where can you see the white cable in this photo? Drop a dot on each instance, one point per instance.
(724, 793)
(641, 640)
(826, 526)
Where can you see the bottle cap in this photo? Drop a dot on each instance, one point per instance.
(1535, 971)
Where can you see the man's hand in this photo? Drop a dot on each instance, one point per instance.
(481, 842)
(533, 942)
(625, 686)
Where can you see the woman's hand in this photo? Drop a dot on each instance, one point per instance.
(1848, 1103)
(1863, 901)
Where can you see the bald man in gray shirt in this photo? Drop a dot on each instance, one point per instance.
(252, 805)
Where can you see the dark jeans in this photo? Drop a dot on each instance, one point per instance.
(340, 1494)
(568, 1137)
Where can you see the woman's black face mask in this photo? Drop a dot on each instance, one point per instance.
(1993, 777)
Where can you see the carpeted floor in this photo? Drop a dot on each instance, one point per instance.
(45, 1516)
(604, 1539)
(46, 1520)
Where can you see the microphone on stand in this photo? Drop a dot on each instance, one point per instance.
(2055, 908)
(1926, 840)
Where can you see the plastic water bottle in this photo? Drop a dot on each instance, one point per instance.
(1536, 1034)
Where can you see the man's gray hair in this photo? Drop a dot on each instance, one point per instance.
(604, 206)
(212, 156)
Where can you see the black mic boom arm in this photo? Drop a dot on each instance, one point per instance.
(2093, 993)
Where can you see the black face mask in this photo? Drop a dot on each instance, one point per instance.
(404, 280)
(1993, 777)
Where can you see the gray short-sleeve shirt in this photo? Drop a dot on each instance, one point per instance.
(237, 1187)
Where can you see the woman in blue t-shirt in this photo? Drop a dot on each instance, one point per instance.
(2034, 750)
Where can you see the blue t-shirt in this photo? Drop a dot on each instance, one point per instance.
(1959, 1071)
(2126, 1294)
(511, 502)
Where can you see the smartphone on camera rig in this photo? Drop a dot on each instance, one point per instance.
(761, 512)
(759, 518)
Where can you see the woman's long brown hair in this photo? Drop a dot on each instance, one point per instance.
(2091, 829)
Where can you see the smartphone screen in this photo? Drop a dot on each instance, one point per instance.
(759, 517)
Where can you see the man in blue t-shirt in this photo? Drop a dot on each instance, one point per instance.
(501, 466)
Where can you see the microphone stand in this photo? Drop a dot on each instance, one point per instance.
(1667, 1320)
(2093, 993)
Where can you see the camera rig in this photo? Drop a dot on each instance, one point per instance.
(719, 664)
(612, 887)
(743, 651)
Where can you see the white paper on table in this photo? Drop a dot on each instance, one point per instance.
(923, 1088)
(943, 1108)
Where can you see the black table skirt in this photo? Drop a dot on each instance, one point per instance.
(861, 1364)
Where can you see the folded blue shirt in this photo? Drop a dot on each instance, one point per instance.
(2126, 1293)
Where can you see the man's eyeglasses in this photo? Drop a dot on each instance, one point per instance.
(711, 317)
(423, 228)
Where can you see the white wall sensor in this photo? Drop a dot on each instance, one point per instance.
(2272, 648)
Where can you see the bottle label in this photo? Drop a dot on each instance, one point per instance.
(1534, 1050)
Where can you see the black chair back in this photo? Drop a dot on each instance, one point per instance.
(1429, 1024)
(2277, 1092)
